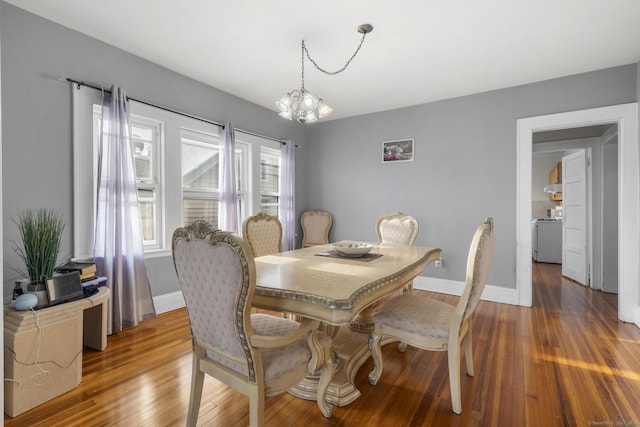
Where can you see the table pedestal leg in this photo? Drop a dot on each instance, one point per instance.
(351, 351)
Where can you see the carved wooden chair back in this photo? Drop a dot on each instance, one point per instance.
(263, 233)
(397, 228)
(257, 354)
(315, 227)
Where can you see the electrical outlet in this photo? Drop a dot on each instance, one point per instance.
(438, 263)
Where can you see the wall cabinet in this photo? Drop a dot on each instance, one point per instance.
(555, 177)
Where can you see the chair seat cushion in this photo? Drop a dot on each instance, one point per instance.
(416, 315)
(281, 360)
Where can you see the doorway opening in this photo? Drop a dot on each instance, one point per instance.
(587, 248)
(626, 118)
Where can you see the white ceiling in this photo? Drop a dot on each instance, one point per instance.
(419, 51)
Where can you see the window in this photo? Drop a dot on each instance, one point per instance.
(176, 166)
(146, 137)
(200, 181)
(200, 165)
(269, 181)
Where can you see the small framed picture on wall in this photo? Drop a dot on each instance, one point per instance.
(400, 150)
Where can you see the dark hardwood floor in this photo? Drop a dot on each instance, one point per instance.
(567, 361)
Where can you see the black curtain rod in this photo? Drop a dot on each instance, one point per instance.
(220, 125)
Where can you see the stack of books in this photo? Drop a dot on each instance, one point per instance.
(87, 272)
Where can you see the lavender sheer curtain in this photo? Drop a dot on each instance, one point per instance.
(118, 250)
(227, 206)
(287, 196)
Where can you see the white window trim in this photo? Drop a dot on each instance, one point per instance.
(84, 165)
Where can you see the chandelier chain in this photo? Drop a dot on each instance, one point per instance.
(303, 49)
(331, 73)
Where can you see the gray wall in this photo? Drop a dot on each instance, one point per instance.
(37, 132)
(541, 166)
(610, 217)
(464, 168)
(540, 169)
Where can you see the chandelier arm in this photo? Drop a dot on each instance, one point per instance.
(331, 73)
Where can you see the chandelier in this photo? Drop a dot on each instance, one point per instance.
(305, 106)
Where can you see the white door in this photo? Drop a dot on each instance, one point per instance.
(575, 218)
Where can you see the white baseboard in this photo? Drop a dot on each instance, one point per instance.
(168, 302)
(452, 287)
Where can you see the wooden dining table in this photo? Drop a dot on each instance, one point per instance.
(343, 293)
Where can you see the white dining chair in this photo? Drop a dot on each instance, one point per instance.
(315, 227)
(259, 355)
(263, 233)
(433, 325)
(397, 228)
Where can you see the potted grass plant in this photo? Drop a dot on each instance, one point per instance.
(40, 240)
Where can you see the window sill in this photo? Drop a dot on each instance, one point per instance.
(157, 253)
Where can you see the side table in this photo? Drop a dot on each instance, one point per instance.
(53, 337)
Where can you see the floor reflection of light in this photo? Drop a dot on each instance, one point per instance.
(148, 393)
(603, 369)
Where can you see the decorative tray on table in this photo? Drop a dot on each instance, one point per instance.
(350, 249)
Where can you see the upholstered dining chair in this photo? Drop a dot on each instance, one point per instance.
(400, 229)
(315, 227)
(397, 228)
(433, 325)
(263, 233)
(257, 354)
